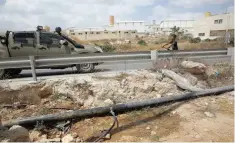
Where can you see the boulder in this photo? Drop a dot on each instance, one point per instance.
(17, 134)
(191, 78)
(194, 67)
(180, 81)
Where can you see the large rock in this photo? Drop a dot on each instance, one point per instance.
(192, 79)
(193, 67)
(17, 134)
(180, 81)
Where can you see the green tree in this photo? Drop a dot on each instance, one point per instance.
(177, 31)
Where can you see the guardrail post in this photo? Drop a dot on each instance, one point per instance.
(32, 64)
(154, 56)
(230, 52)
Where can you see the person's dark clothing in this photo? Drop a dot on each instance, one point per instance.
(174, 45)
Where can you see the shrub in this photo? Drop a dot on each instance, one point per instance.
(195, 40)
(106, 47)
(207, 40)
(185, 37)
(142, 43)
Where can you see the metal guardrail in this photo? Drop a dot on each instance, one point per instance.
(42, 61)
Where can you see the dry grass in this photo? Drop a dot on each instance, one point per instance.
(154, 44)
(182, 45)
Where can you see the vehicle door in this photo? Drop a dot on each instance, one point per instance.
(49, 44)
(22, 44)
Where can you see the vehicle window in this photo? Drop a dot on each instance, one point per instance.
(49, 38)
(24, 38)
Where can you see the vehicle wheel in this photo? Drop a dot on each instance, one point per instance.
(2, 73)
(15, 71)
(85, 68)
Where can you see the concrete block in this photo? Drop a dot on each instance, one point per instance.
(154, 55)
(231, 53)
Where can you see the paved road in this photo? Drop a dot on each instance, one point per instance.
(106, 67)
(101, 69)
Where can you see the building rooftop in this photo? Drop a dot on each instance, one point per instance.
(175, 20)
(130, 22)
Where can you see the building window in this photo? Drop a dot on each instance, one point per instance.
(79, 33)
(201, 34)
(72, 33)
(97, 32)
(126, 32)
(85, 32)
(106, 32)
(92, 33)
(219, 21)
(133, 32)
(114, 32)
(217, 32)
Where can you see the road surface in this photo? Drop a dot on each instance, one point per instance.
(101, 69)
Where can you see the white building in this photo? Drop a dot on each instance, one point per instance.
(153, 29)
(139, 26)
(186, 25)
(213, 26)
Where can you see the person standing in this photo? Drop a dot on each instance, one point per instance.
(172, 44)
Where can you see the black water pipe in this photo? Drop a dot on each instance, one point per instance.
(119, 108)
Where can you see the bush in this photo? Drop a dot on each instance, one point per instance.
(142, 43)
(185, 37)
(207, 40)
(195, 40)
(106, 47)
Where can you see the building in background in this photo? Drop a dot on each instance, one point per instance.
(186, 25)
(214, 26)
(115, 30)
(91, 34)
(210, 26)
(152, 28)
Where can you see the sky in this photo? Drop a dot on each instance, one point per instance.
(28, 14)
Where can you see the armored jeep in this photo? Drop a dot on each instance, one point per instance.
(42, 43)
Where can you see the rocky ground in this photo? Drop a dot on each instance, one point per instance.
(204, 119)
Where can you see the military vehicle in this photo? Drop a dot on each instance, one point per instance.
(42, 43)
